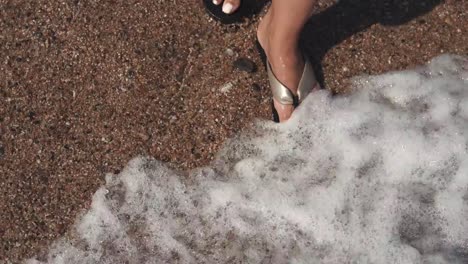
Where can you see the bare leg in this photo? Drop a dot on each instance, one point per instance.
(278, 33)
(229, 6)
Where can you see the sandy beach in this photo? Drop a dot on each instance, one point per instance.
(85, 86)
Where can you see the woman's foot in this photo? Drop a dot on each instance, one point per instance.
(281, 47)
(229, 6)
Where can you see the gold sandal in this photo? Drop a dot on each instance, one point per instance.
(283, 94)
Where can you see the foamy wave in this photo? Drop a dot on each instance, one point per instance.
(379, 176)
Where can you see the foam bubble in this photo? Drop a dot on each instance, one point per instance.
(379, 176)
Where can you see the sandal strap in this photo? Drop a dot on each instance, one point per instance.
(283, 94)
(307, 81)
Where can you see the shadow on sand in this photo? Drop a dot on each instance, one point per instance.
(348, 17)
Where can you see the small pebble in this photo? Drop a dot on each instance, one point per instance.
(230, 52)
(245, 64)
(226, 87)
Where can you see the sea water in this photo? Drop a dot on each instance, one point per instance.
(376, 176)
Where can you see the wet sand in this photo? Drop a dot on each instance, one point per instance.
(86, 86)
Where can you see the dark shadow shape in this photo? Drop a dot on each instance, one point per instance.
(348, 17)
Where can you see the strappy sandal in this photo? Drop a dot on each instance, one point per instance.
(283, 94)
(246, 9)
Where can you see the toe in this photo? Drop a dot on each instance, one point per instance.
(284, 111)
(230, 6)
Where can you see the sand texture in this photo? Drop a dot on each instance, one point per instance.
(87, 85)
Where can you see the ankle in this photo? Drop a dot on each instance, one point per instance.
(263, 31)
(280, 45)
(282, 50)
(284, 57)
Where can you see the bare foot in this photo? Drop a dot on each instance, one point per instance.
(229, 6)
(285, 59)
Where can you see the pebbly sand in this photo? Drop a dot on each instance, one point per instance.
(86, 86)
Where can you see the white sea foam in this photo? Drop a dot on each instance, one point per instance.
(379, 176)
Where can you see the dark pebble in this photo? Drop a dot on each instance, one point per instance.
(256, 87)
(31, 115)
(2, 151)
(131, 74)
(245, 64)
